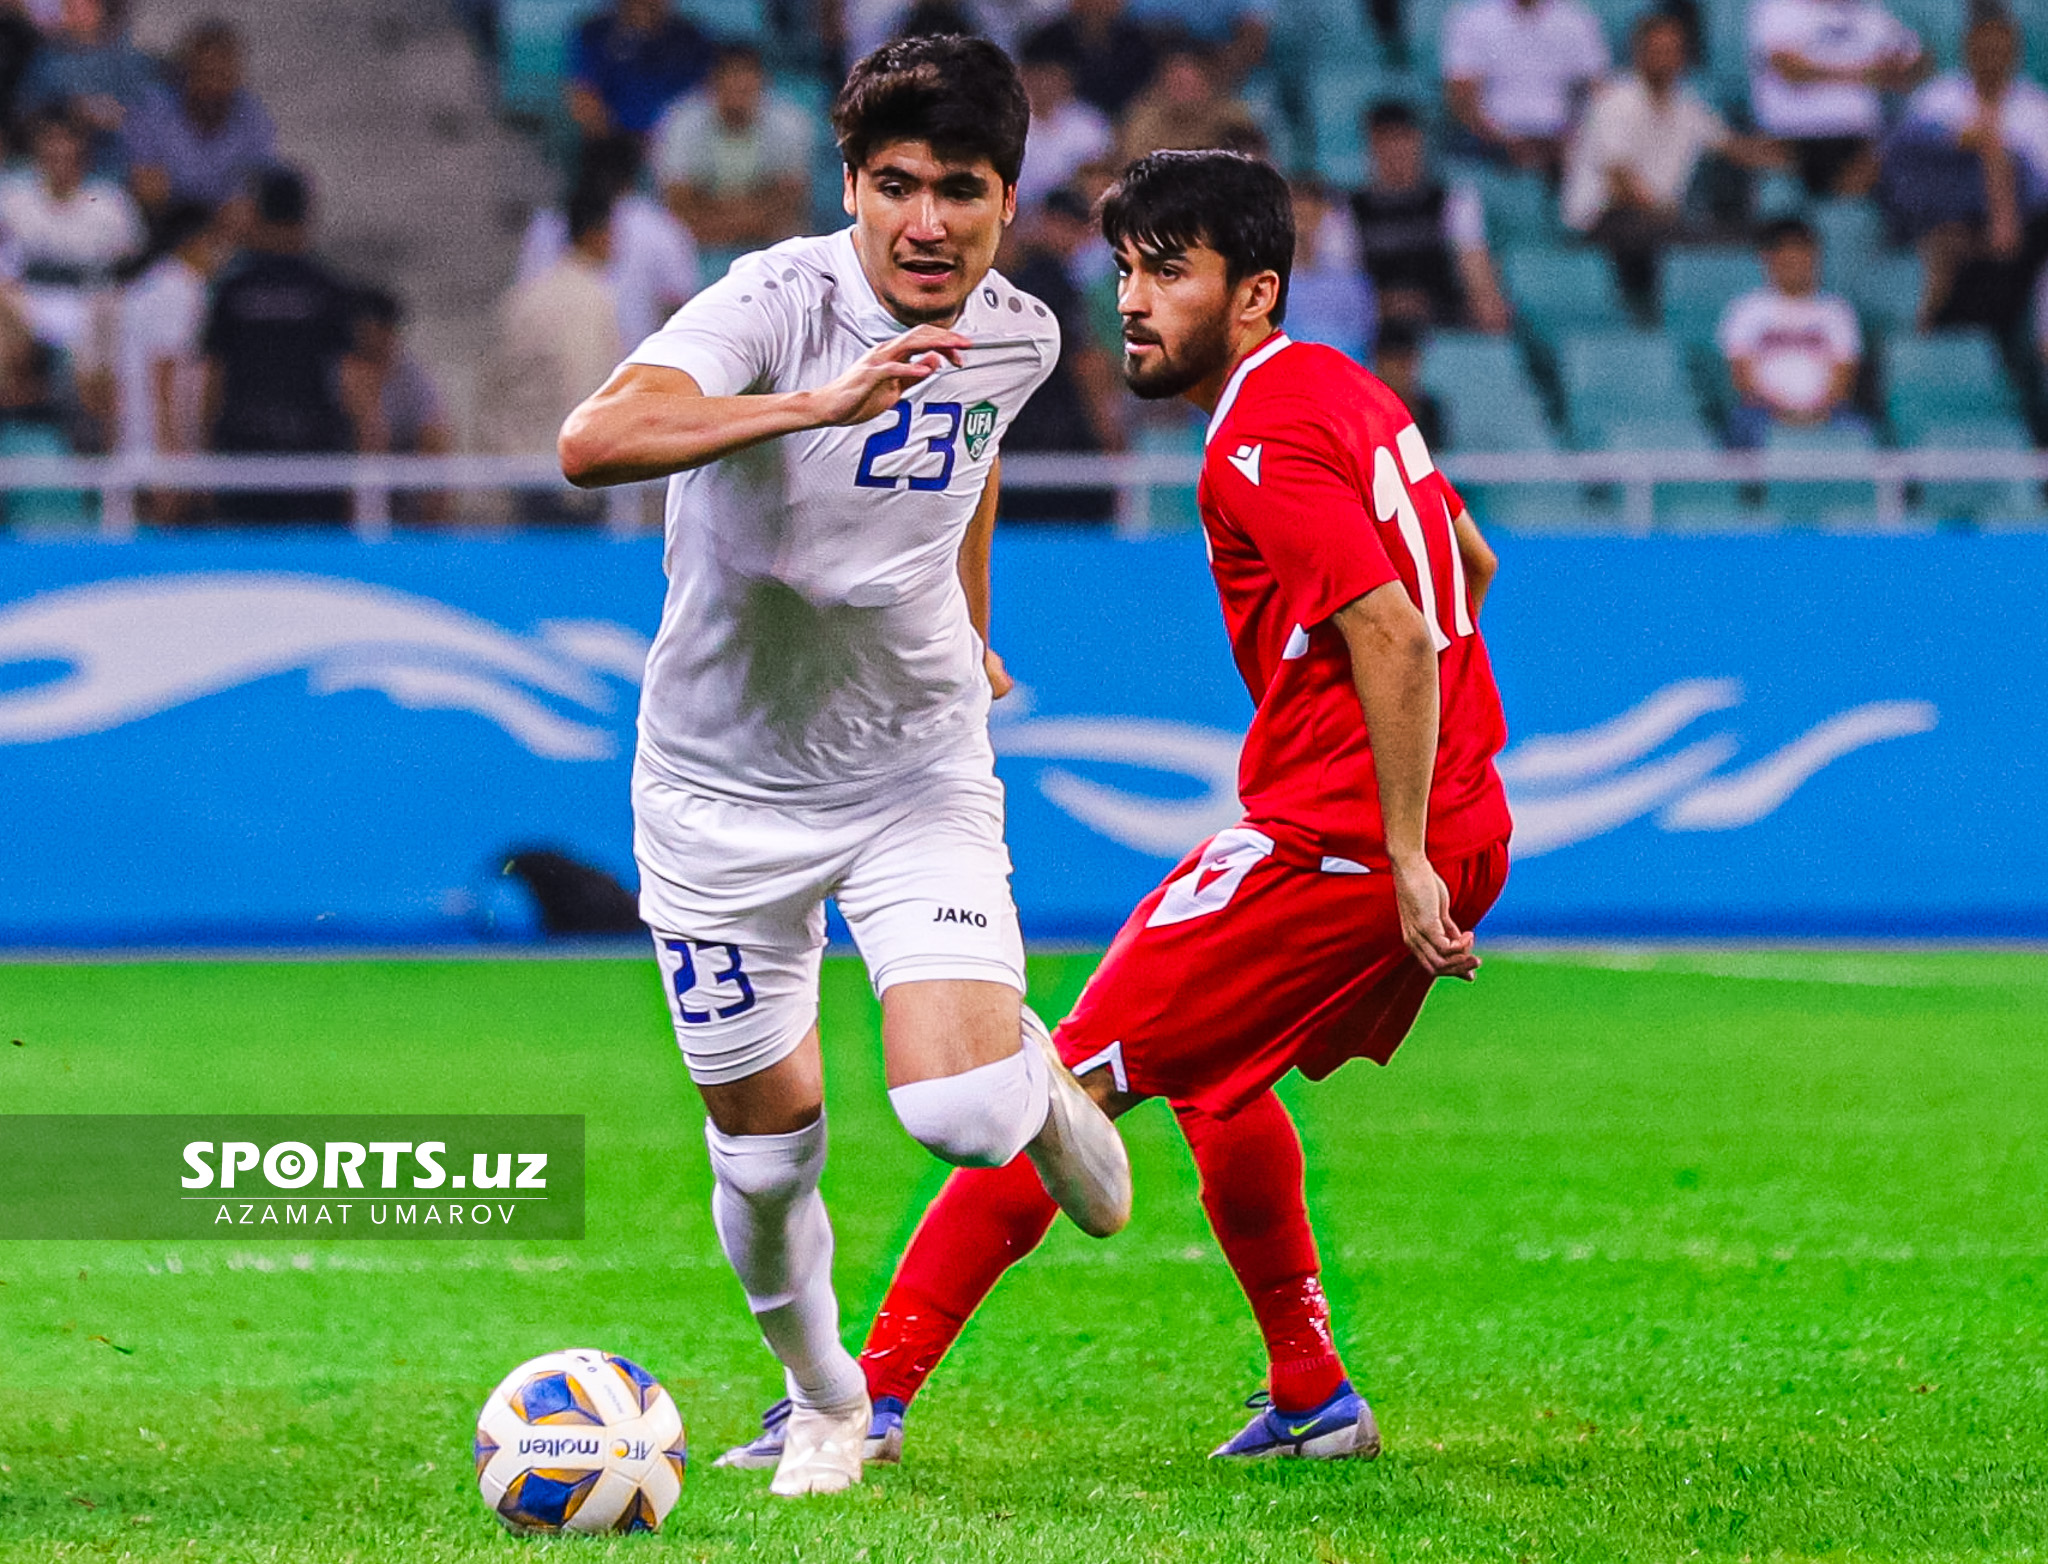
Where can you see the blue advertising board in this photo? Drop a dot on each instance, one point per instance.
(326, 742)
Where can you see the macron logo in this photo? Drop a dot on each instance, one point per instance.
(1246, 461)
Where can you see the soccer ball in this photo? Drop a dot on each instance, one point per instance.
(580, 1441)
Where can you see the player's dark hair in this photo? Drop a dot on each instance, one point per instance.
(1786, 230)
(962, 95)
(1236, 205)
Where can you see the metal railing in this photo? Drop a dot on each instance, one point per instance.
(372, 480)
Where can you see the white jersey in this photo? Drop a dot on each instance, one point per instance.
(815, 645)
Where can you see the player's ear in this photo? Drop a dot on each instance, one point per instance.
(1009, 205)
(846, 193)
(1259, 294)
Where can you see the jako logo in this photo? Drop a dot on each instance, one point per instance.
(557, 1445)
(960, 915)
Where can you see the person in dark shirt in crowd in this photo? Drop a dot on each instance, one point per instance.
(1076, 408)
(204, 139)
(1111, 57)
(628, 64)
(19, 40)
(1397, 360)
(397, 407)
(278, 343)
(1421, 240)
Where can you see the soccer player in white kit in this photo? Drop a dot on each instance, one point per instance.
(813, 720)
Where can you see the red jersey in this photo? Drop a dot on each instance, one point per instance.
(1316, 489)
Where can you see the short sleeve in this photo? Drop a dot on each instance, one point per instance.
(1464, 218)
(1279, 480)
(1845, 337)
(732, 337)
(1464, 50)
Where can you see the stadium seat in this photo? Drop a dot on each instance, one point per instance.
(1826, 500)
(1338, 94)
(1692, 506)
(1561, 291)
(1950, 377)
(1939, 23)
(1170, 508)
(1851, 235)
(1700, 284)
(533, 53)
(1990, 499)
(1488, 399)
(1521, 208)
(1617, 377)
(1306, 32)
(41, 510)
(1885, 288)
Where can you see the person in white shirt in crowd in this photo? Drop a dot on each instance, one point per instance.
(734, 160)
(1066, 133)
(64, 233)
(1818, 69)
(1634, 158)
(1422, 239)
(1793, 352)
(1329, 300)
(1515, 73)
(654, 265)
(159, 367)
(1989, 234)
(557, 340)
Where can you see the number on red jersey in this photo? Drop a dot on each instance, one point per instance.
(1394, 502)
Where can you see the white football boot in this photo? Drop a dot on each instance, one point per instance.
(821, 1451)
(1079, 1155)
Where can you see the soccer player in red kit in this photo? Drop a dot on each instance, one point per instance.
(1375, 829)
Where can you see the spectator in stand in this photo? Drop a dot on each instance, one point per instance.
(1514, 74)
(1398, 362)
(1235, 32)
(1110, 56)
(400, 410)
(1421, 240)
(854, 28)
(206, 137)
(1329, 299)
(89, 63)
(1185, 109)
(278, 341)
(1980, 139)
(558, 340)
(1066, 132)
(159, 370)
(67, 233)
(628, 64)
(1816, 70)
(1078, 409)
(1793, 352)
(1634, 158)
(734, 161)
(653, 265)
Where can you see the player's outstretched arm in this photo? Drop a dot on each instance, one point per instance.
(975, 548)
(648, 421)
(1393, 665)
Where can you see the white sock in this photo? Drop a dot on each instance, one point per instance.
(980, 1118)
(772, 1225)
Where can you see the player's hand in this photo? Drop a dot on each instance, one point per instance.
(999, 681)
(879, 378)
(1440, 947)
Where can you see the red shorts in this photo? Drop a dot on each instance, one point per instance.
(1240, 968)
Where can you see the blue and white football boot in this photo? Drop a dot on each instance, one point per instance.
(1342, 1427)
(884, 1444)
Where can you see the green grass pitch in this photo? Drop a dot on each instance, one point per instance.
(1638, 1257)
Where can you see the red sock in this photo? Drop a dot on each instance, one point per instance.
(1252, 1172)
(984, 1221)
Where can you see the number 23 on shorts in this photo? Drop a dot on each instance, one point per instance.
(739, 995)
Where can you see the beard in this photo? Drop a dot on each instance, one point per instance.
(1205, 352)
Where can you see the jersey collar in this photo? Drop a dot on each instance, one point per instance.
(1235, 383)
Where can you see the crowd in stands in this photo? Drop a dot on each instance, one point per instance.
(158, 291)
(1482, 191)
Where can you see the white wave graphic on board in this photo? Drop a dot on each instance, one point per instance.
(141, 646)
(1565, 787)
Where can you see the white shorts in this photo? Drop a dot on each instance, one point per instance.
(735, 894)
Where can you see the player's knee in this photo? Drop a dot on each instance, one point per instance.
(981, 1118)
(768, 1169)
